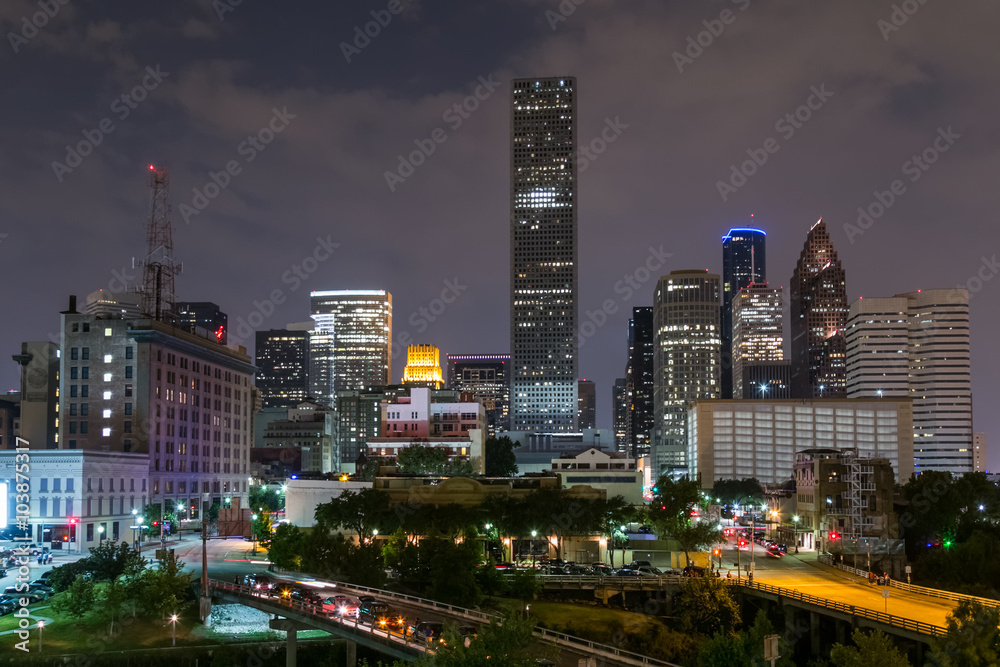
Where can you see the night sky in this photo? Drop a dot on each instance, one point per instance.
(882, 92)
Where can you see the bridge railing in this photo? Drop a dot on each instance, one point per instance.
(843, 607)
(911, 588)
(562, 639)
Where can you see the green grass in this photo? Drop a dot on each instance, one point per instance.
(91, 633)
(595, 623)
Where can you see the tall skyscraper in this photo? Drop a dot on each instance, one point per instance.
(352, 345)
(282, 360)
(757, 334)
(487, 377)
(543, 257)
(423, 367)
(917, 345)
(818, 318)
(639, 379)
(586, 405)
(619, 409)
(686, 359)
(744, 261)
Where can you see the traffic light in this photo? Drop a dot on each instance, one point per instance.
(716, 552)
(743, 543)
(834, 535)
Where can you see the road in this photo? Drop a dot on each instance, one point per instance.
(803, 573)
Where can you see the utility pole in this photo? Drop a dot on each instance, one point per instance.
(205, 603)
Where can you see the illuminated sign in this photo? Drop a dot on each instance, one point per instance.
(220, 334)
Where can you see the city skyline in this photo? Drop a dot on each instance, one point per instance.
(863, 145)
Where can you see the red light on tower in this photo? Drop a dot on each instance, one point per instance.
(152, 168)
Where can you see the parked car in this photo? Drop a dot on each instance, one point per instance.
(260, 583)
(7, 605)
(370, 613)
(625, 572)
(694, 571)
(340, 605)
(306, 595)
(602, 570)
(639, 563)
(32, 595)
(427, 630)
(648, 571)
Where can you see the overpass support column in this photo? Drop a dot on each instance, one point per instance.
(840, 630)
(351, 653)
(814, 637)
(291, 628)
(291, 647)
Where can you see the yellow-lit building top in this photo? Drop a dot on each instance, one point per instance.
(423, 366)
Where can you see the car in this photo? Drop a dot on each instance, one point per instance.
(625, 572)
(694, 571)
(640, 563)
(648, 571)
(31, 595)
(371, 613)
(306, 595)
(8, 605)
(426, 630)
(602, 570)
(577, 570)
(773, 553)
(340, 605)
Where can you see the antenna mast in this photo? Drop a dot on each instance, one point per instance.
(159, 267)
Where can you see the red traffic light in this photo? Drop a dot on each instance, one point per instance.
(834, 535)
(156, 523)
(743, 543)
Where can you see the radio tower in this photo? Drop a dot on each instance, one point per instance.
(159, 267)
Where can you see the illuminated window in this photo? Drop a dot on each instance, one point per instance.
(107, 396)
(107, 358)
(106, 432)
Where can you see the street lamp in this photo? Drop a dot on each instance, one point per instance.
(253, 532)
(774, 519)
(531, 548)
(41, 624)
(173, 629)
(795, 520)
(763, 389)
(100, 532)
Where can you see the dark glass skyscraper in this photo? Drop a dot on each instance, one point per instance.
(486, 377)
(639, 379)
(818, 297)
(203, 315)
(744, 261)
(282, 360)
(543, 255)
(586, 414)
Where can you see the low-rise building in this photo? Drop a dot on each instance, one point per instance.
(843, 500)
(309, 430)
(613, 472)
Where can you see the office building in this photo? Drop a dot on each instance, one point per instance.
(543, 264)
(917, 345)
(686, 359)
(539, 448)
(639, 378)
(282, 358)
(614, 472)
(142, 386)
(10, 410)
(356, 350)
(586, 412)
(767, 379)
(423, 367)
(979, 453)
(309, 431)
(203, 318)
(120, 305)
(619, 414)
(487, 377)
(760, 438)
(818, 319)
(744, 261)
(81, 497)
(756, 334)
(38, 409)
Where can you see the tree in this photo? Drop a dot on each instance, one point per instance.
(745, 649)
(417, 459)
(262, 530)
(508, 642)
(114, 595)
(735, 491)
(286, 547)
(614, 514)
(704, 605)
(500, 458)
(264, 499)
(165, 588)
(110, 560)
(972, 639)
(869, 649)
(362, 511)
(79, 598)
(63, 576)
(670, 513)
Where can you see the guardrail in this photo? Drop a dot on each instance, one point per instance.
(559, 638)
(912, 588)
(861, 612)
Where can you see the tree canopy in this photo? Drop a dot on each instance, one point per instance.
(500, 458)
